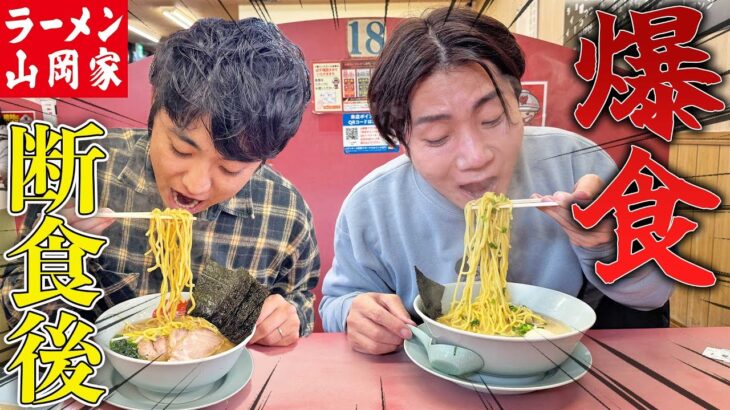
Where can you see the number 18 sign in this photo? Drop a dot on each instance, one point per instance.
(365, 38)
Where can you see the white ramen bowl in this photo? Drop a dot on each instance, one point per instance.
(158, 380)
(519, 356)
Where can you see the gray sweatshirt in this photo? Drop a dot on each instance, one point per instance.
(394, 220)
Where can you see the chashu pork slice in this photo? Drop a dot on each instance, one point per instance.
(153, 350)
(194, 344)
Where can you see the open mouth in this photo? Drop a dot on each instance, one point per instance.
(184, 202)
(477, 189)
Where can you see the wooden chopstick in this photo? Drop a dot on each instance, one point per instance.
(532, 204)
(128, 215)
(528, 203)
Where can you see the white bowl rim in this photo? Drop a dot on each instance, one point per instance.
(566, 335)
(232, 350)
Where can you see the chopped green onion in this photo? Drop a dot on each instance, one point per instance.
(125, 348)
(523, 328)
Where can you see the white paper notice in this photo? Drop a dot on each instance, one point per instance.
(717, 354)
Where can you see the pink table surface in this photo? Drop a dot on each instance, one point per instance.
(322, 372)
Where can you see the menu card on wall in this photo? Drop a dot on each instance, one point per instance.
(327, 82)
(356, 80)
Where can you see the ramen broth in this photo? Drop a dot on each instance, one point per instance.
(185, 342)
(554, 326)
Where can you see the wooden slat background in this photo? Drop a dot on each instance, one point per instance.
(701, 159)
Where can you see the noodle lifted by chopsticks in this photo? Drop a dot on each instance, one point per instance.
(486, 250)
(170, 242)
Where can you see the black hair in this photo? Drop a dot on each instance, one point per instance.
(422, 46)
(245, 80)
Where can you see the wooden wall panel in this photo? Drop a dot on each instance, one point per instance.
(703, 158)
(701, 253)
(723, 181)
(719, 304)
(721, 251)
(682, 161)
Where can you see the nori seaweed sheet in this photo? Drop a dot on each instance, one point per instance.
(229, 299)
(431, 293)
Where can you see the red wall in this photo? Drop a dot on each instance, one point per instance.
(554, 64)
(128, 112)
(314, 160)
(19, 104)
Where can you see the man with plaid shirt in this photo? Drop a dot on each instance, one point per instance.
(227, 96)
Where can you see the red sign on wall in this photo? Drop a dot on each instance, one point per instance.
(73, 48)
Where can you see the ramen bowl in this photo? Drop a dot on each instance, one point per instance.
(184, 380)
(518, 356)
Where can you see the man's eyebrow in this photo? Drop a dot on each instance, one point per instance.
(488, 97)
(430, 118)
(438, 117)
(183, 136)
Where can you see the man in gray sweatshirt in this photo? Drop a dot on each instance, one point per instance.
(448, 93)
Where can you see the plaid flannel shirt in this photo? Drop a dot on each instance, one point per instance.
(266, 228)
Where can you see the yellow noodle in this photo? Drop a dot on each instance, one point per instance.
(153, 328)
(170, 240)
(486, 253)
